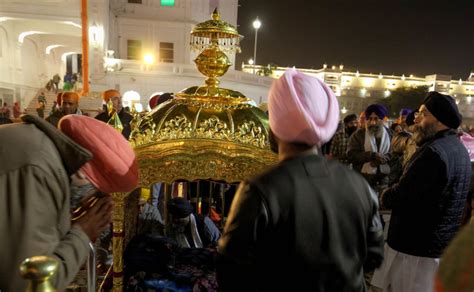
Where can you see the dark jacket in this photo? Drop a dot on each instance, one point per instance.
(428, 201)
(124, 117)
(357, 155)
(54, 117)
(307, 224)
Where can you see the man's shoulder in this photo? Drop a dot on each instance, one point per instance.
(448, 145)
(358, 135)
(339, 134)
(103, 116)
(301, 166)
(125, 116)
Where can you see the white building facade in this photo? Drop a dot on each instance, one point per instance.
(356, 90)
(39, 38)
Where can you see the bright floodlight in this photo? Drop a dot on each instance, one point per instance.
(257, 24)
(250, 61)
(149, 59)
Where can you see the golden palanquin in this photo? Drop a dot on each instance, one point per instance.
(204, 133)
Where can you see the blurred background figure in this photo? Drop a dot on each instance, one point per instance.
(190, 229)
(125, 118)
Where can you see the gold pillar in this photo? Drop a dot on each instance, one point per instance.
(118, 218)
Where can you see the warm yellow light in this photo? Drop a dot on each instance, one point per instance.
(343, 110)
(149, 59)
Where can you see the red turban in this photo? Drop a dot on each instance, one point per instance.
(153, 101)
(113, 167)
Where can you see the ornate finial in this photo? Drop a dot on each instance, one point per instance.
(216, 15)
(38, 270)
(116, 123)
(110, 107)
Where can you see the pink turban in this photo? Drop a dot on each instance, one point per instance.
(113, 167)
(302, 109)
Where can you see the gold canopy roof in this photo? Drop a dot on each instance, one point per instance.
(205, 132)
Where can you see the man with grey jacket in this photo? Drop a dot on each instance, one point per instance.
(40, 168)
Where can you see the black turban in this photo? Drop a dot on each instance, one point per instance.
(179, 207)
(378, 109)
(350, 118)
(444, 109)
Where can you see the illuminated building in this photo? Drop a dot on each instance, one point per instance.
(356, 90)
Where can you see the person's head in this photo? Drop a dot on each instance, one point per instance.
(114, 96)
(4, 104)
(179, 208)
(437, 113)
(374, 115)
(113, 167)
(404, 112)
(303, 111)
(351, 123)
(396, 128)
(410, 120)
(69, 102)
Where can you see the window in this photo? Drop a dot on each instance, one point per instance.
(134, 49)
(135, 1)
(166, 52)
(167, 2)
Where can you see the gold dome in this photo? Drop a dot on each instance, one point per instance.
(186, 138)
(205, 132)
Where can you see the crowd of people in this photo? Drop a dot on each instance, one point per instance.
(311, 222)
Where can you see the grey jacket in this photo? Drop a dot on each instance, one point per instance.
(36, 161)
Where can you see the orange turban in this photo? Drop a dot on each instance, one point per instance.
(108, 94)
(113, 167)
(69, 94)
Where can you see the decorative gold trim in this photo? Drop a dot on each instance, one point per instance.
(201, 159)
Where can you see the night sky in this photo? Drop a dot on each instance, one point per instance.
(392, 37)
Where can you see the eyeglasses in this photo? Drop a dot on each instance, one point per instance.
(421, 114)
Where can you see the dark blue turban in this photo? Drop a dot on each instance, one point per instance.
(443, 108)
(179, 207)
(405, 111)
(378, 109)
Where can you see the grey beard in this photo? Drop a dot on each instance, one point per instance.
(79, 192)
(421, 134)
(375, 130)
